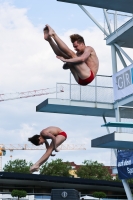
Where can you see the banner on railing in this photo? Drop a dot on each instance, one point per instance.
(123, 83)
(125, 164)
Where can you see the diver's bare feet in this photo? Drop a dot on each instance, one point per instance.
(66, 66)
(51, 31)
(46, 34)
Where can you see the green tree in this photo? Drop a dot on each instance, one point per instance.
(130, 181)
(18, 165)
(93, 170)
(18, 193)
(56, 168)
(99, 195)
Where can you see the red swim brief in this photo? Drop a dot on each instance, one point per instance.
(87, 80)
(64, 134)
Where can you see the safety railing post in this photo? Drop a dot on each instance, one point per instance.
(70, 87)
(96, 89)
(56, 90)
(80, 92)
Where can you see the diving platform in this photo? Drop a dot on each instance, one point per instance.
(119, 124)
(114, 140)
(88, 108)
(95, 99)
(91, 100)
(66, 106)
(118, 5)
(123, 35)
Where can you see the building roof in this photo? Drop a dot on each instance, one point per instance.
(78, 166)
(36, 184)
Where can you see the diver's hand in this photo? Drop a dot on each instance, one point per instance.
(34, 168)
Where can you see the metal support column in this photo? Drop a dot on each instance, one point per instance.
(121, 58)
(107, 21)
(114, 59)
(92, 18)
(107, 128)
(115, 20)
(127, 189)
(123, 52)
(124, 181)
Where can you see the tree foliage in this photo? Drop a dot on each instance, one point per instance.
(18, 165)
(93, 170)
(130, 181)
(56, 168)
(18, 193)
(99, 194)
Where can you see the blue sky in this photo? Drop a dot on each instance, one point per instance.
(28, 63)
(59, 15)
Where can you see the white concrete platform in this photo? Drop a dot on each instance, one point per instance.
(114, 141)
(126, 101)
(120, 5)
(123, 35)
(119, 124)
(65, 106)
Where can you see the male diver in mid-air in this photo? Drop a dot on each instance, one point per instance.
(83, 64)
(57, 136)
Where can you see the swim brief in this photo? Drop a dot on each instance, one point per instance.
(64, 134)
(87, 80)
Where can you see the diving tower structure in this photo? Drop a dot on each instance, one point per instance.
(119, 5)
(99, 98)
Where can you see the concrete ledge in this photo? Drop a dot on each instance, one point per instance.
(120, 5)
(119, 124)
(65, 106)
(123, 35)
(114, 141)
